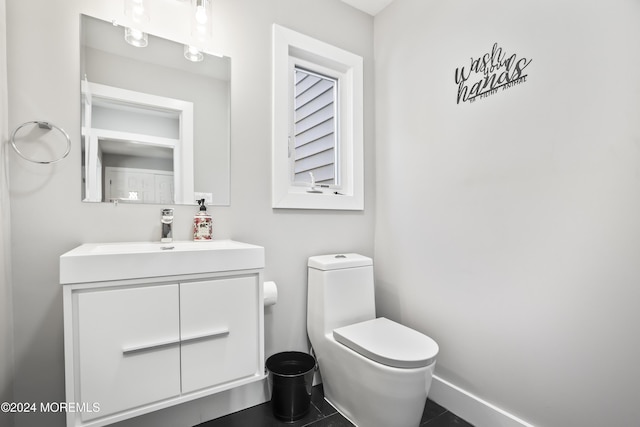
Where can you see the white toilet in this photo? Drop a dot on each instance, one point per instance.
(376, 372)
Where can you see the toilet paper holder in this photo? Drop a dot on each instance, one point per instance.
(270, 293)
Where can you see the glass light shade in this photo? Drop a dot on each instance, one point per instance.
(201, 20)
(193, 53)
(138, 10)
(135, 37)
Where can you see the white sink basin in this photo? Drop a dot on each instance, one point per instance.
(99, 262)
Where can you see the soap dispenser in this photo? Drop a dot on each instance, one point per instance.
(202, 223)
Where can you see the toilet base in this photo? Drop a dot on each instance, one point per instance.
(370, 394)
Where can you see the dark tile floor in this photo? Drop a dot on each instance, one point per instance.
(322, 414)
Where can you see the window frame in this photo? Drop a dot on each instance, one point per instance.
(291, 48)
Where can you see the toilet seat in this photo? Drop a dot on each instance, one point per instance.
(389, 343)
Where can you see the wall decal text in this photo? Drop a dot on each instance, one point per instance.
(489, 73)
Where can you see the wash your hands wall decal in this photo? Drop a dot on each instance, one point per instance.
(489, 73)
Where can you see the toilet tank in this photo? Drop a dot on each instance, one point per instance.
(341, 291)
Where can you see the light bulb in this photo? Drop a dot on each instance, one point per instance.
(137, 12)
(201, 20)
(201, 15)
(137, 9)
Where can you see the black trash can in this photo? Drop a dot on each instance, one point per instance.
(291, 379)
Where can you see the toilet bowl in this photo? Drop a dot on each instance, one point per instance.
(376, 372)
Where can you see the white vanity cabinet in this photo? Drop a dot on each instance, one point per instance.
(136, 345)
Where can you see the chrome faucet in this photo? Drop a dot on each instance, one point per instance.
(167, 225)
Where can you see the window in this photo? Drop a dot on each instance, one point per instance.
(315, 144)
(317, 124)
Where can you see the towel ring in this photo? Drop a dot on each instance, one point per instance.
(41, 125)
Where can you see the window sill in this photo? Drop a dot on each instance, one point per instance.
(327, 199)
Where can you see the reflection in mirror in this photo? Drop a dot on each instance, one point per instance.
(155, 126)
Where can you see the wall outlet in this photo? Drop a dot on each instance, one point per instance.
(208, 197)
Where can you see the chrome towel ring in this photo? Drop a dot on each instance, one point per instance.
(41, 125)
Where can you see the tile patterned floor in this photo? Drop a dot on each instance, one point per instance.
(322, 414)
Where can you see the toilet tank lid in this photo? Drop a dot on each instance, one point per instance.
(338, 261)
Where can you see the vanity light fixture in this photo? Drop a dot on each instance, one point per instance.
(138, 11)
(135, 37)
(201, 20)
(192, 53)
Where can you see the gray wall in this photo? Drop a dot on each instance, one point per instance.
(507, 229)
(48, 218)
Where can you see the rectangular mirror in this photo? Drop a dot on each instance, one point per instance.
(155, 125)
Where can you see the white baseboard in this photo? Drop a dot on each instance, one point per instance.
(471, 408)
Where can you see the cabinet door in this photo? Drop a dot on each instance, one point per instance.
(219, 331)
(128, 344)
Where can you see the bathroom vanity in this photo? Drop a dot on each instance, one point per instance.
(151, 325)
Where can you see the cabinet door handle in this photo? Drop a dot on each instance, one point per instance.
(156, 346)
(207, 335)
(145, 347)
